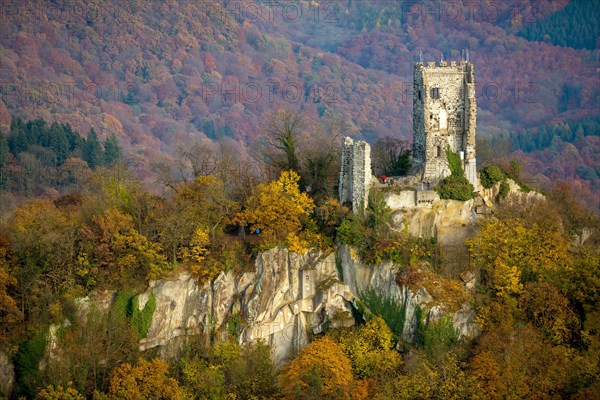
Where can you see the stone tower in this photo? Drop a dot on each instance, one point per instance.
(355, 174)
(444, 114)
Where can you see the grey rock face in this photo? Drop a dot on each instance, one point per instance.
(7, 375)
(284, 302)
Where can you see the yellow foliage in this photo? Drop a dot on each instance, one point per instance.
(279, 210)
(450, 293)
(515, 362)
(321, 369)
(370, 349)
(424, 379)
(121, 250)
(60, 393)
(296, 244)
(198, 248)
(147, 380)
(512, 251)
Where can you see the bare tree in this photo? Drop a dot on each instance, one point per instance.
(281, 138)
(391, 156)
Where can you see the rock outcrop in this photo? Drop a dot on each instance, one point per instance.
(7, 375)
(286, 300)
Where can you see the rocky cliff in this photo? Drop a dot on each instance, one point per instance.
(289, 298)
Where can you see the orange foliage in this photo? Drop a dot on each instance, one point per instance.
(320, 369)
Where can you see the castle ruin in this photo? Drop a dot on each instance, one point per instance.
(444, 115)
(355, 174)
(444, 118)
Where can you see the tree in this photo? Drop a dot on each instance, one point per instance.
(252, 374)
(320, 153)
(147, 380)
(513, 251)
(112, 150)
(73, 173)
(4, 151)
(43, 247)
(59, 392)
(87, 351)
(370, 349)
(278, 210)
(59, 142)
(227, 370)
(321, 370)
(391, 156)
(524, 366)
(206, 198)
(17, 139)
(10, 315)
(456, 186)
(281, 136)
(549, 310)
(118, 252)
(93, 150)
(423, 379)
(204, 205)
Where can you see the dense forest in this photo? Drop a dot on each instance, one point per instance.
(573, 26)
(161, 75)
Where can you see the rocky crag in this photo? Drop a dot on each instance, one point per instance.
(289, 298)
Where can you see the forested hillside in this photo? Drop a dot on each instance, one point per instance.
(164, 74)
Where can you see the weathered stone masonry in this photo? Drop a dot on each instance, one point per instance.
(355, 174)
(444, 116)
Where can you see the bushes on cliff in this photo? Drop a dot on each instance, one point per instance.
(456, 186)
(491, 175)
(142, 319)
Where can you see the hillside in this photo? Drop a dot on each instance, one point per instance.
(176, 72)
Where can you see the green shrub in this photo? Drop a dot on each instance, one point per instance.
(455, 164)
(234, 325)
(126, 308)
(351, 232)
(491, 175)
(513, 171)
(27, 363)
(121, 307)
(436, 336)
(455, 188)
(142, 319)
(504, 189)
(378, 212)
(386, 307)
(440, 335)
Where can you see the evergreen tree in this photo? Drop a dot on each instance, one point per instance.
(17, 139)
(3, 162)
(93, 150)
(59, 143)
(74, 139)
(112, 150)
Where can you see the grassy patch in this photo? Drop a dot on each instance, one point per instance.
(142, 319)
(386, 307)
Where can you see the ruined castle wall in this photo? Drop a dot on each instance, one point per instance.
(355, 174)
(346, 164)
